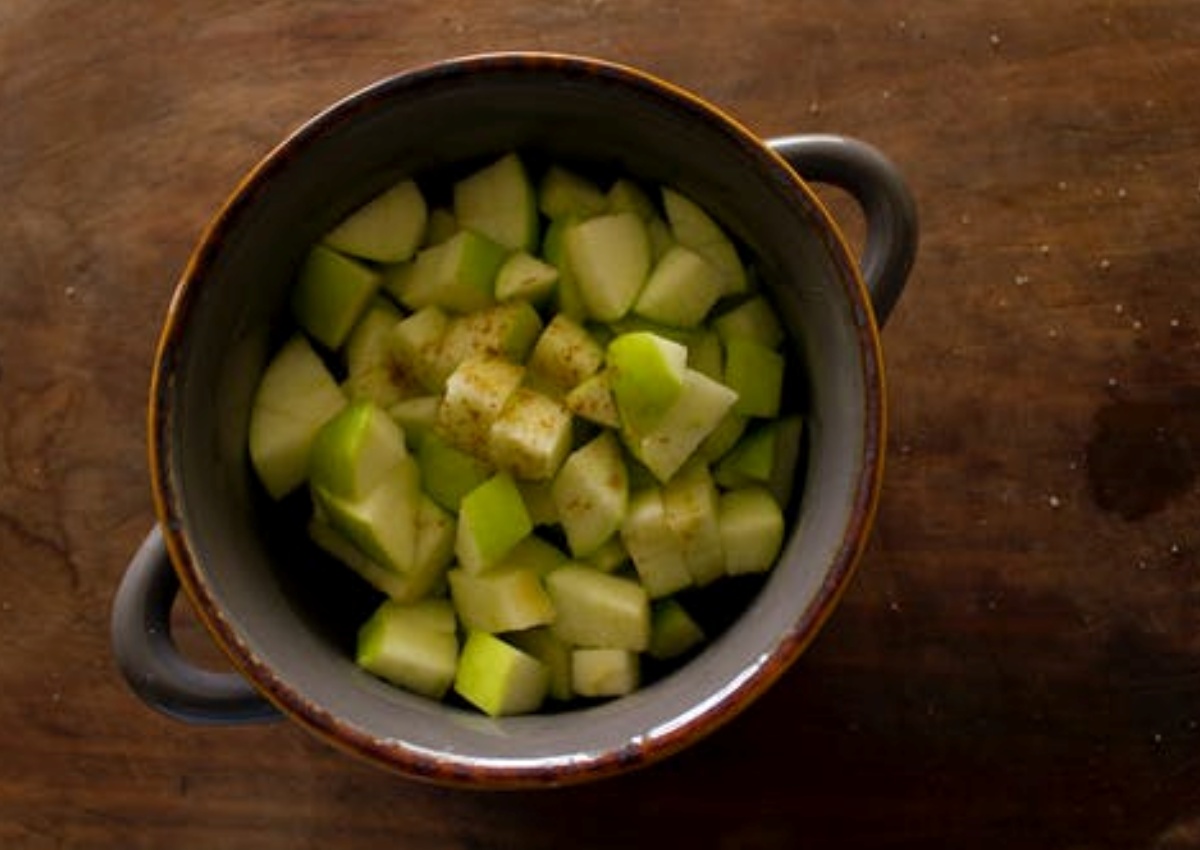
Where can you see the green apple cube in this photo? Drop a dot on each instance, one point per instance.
(706, 353)
(416, 344)
(355, 451)
(610, 258)
(372, 372)
(691, 509)
(604, 672)
(755, 373)
(476, 393)
(407, 646)
(532, 435)
(539, 501)
(673, 631)
(565, 354)
(387, 229)
(499, 679)
(416, 416)
(646, 373)
(441, 226)
(766, 455)
(681, 289)
(492, 519)
(590, 493)
(335, 544)
(506, 330)
(500, 202)
(548, 648)
(653, 545)
(696, 229)
(568, 300)
(433, 549)
(525, 277)
(383, 523)
(595, 609)
(331, 292)
(294, 399)
(751, 527)
(610, 557)
(458, 275)
(500, 599)
(447, 472)
(533, 553)
(563, 192)
(625, 195)
(592, 399)
(723, 438)
(754, 319)
(662, 239)
(699, 410)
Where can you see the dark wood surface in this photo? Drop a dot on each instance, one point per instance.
(1017, 663)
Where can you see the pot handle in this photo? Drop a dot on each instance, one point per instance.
(151, 662)
(886, 202)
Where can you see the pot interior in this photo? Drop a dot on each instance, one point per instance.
(286, 616)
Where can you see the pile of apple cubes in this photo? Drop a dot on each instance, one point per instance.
(530, 416)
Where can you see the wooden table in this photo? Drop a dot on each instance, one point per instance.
(1017, 663)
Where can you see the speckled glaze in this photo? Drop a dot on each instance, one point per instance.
(291, 636)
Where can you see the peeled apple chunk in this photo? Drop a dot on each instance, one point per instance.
(646, 375)
(595, 609)
(492, 519)
(413, 646)
(590, 494)
(330, 294)
(499, 201)
(355, 451)
(694, 228)
(295, 397)
(610, 258)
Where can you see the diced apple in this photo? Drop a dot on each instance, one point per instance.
(533, 553)
(331, 292)
(525, 277)
(673, 631)
(547, 647)
(591, 494)
(335, 544)
(492, 519)
(355, 451)
(447, 472)
(610, 557)
(458, 275)
(610, 258)
(568, 300)
(592, 399)
(294, 399)
(383, 522)
(500, 599)
(539, 501)
(700, 408)
(499, 201)
(681, 289)
(417, 416)
(441, 226)
(646, 374)
(476, 393)
(563, 192)
(752, 527)
(565, 354)
(654, 546)
(387, 229)
(754, 319)
(694, 228)
(604, 672)
(723, 438)
(755, 373)
(691, 509)
(595, 609)
(416, 344)
(499, 679)
(402, 644)
(506, 330)
(766, 455)
(627, 196)
(531, 436)
(706, 354)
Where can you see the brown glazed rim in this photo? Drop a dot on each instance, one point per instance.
(457, 769)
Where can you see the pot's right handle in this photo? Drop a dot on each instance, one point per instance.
(882, 194)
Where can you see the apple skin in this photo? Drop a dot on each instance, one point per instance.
(646, 375)
(355, 451)
(409, 645)
(492, 519)
(499, 679)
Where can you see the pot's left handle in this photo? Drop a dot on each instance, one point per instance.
(151, 662)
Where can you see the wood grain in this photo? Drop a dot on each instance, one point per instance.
(1018, 661)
